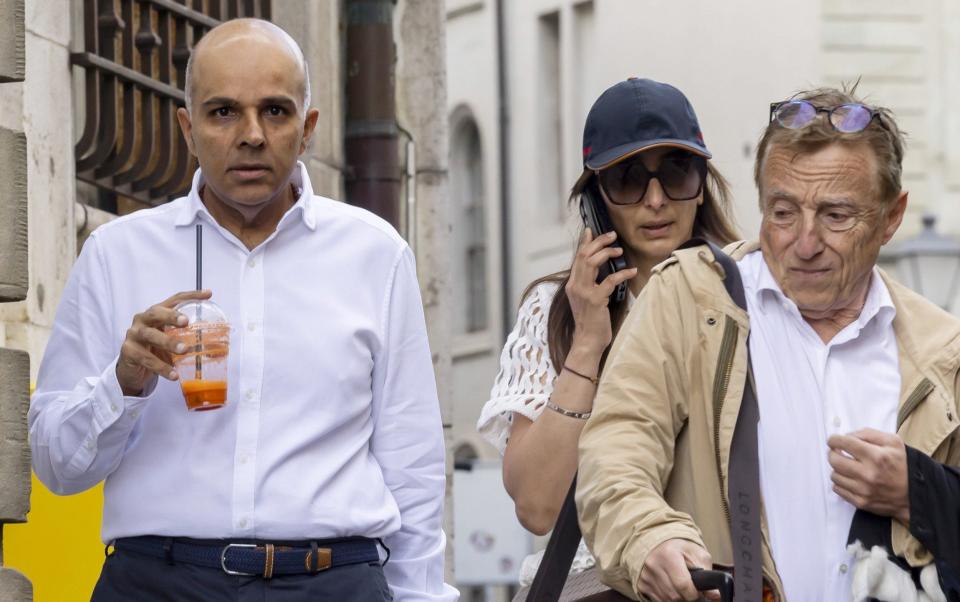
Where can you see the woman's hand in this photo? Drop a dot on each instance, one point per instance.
(588, 300)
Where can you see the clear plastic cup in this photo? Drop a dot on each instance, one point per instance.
(202, 368)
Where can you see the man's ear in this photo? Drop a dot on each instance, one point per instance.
(894, 216)
(186, 128)
(309, 124)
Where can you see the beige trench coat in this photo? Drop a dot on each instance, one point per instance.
(654, 455)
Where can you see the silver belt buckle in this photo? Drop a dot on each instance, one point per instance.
(223, 558)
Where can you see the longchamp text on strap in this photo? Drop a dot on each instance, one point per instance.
(743, 480)
(744, 487)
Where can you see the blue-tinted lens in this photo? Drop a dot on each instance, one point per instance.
(851, 118)
(795, 114)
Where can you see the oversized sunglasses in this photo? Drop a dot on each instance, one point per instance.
(681, 176)
(847, 118)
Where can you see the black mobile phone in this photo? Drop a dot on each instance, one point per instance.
(595, 216)
(705, 581)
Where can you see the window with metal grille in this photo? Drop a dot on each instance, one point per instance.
(131, 152)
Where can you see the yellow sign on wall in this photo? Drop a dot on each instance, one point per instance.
(58, 548)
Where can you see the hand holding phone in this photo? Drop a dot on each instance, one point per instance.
(594, 213)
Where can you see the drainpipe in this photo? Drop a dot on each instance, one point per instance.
(371, 139)
(507, 307)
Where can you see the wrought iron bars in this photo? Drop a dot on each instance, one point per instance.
(134, 61)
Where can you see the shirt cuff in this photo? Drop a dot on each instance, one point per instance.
(111, 411)
(111, 406)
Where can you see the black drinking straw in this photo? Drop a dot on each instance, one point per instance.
(199, 370)
(199, 256)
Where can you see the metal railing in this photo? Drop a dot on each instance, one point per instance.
(134, 60)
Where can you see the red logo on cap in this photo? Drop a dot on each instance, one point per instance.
(700, 137)
(586, 150)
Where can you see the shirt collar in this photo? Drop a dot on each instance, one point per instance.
(878, 303)
(303, 208)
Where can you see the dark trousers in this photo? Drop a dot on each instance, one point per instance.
(128, 577)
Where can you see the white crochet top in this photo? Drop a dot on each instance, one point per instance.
(523, 385)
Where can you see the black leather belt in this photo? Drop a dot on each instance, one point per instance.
(260, 558)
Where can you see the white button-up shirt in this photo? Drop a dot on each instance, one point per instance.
(808, 390)
(332, 424)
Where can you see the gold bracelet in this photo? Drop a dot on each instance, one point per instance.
(568, 413)
(592, 379)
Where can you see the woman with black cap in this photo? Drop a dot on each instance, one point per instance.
(645, 166)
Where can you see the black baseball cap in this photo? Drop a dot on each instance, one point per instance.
(636, 115)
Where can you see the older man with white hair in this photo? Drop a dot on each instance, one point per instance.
(322, 478)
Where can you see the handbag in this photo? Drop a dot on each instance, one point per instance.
(553, 583)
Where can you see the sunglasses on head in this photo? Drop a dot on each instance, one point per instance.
(846, 118)
(681, 175)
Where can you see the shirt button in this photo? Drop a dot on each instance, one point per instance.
(251, 262)
(836, 421)
(242, 523)
(843, 568)
(244, 459)
(88, 444)
(251, 326)
(250, 394)
(113, 407)
(786, 306)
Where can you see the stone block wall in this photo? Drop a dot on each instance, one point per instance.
(14, 278)
(316, 27)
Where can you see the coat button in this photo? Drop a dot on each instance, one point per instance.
(711, 321)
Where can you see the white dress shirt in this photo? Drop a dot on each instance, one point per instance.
(808, 390)
(332, 425)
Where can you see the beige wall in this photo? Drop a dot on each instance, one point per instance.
(316, 27)
(472, 94)
(37, 107)
(908, 57)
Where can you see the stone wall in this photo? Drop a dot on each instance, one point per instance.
(316, 27)
(419, 32)
(14, 365)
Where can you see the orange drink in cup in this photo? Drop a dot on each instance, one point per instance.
(202, 368)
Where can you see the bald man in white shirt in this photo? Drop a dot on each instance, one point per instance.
(323, 475)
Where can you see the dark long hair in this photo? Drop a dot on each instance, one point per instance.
(712, 222)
